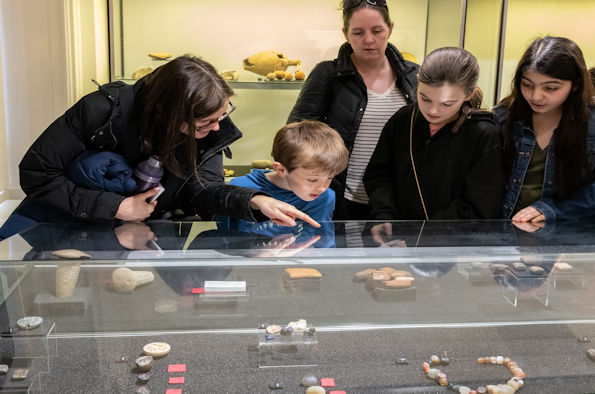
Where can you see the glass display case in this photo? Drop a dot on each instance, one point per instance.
(267, 309)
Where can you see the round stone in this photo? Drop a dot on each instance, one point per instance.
(144, 363)
(481, 390)
(273, 328)
(464, 390)
(156, 349)
(432, 372)
(536, 270)
(275, 386)
(499, 360)
(435, 360)
(309, 380)
(144, 377)
(444, 360)
(316, 390)
(591, 354)
(29, 322)
(287, 331)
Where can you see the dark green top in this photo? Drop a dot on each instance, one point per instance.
(533, 182)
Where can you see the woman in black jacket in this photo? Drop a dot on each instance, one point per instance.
(356, 94)
(440, 158)
(179, 113)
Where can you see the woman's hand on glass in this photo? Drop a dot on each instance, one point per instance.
(280, 212)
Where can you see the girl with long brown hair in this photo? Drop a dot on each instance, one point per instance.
(548, 123)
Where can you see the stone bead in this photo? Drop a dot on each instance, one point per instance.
(310, 331)
(507, 360)
(518, 373)
(464, 390)
(481, 390)
(432, 372)
(309, 380)
(488, 360)
(144, 363)
(454, 387)
(144, 377)
(275, 386)
(425, 366)
(591, 354)
(493, 359)
(504, 389)
(473, 392)
(516, 383)
(287, 331)
(441, 379)
(434, 359)
(481, 360)
(499, 360)
(316, 390)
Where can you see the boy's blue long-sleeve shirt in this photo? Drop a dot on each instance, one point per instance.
(321, 209)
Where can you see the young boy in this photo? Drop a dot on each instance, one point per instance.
(307, 155)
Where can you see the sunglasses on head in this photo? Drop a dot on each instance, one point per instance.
(375, 3)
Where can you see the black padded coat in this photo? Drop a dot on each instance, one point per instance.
(335, 93)
(96, 123)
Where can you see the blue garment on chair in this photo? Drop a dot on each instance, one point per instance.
(102, 171)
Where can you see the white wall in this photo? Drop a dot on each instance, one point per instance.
(33, 72)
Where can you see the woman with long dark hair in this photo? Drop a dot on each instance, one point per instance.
(178, 114)
(548, 123)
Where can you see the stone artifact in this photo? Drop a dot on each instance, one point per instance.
(309, 380)
(156, 349)
(364, 275)
(230, 75)
(299, 325)
(144, 377)
(561, 266)
(287, 331)
(141, 72)
(399, 274)
(66, 277)
(389, 270)
(310, 331)
(536, 270)
(160, 55)
(275, 386)
(591, 354)
(3, 369)
(513, 385)
(29, 322)
(519, 266)
(301, 273)
(20, 374)
(265, 62)
(71, 254)
(273, 329)
(316, 390)
(124, 280)
(144, 363)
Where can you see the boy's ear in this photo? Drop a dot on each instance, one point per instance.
(280, 169)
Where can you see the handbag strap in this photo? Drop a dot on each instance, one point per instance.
(421, 197)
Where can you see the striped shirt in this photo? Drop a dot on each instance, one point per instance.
(379, 109)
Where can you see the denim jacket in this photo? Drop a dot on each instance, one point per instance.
(580, 204)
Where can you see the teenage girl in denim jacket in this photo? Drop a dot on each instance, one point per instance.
(548, 123)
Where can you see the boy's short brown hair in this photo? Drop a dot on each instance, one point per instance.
(310, 144)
